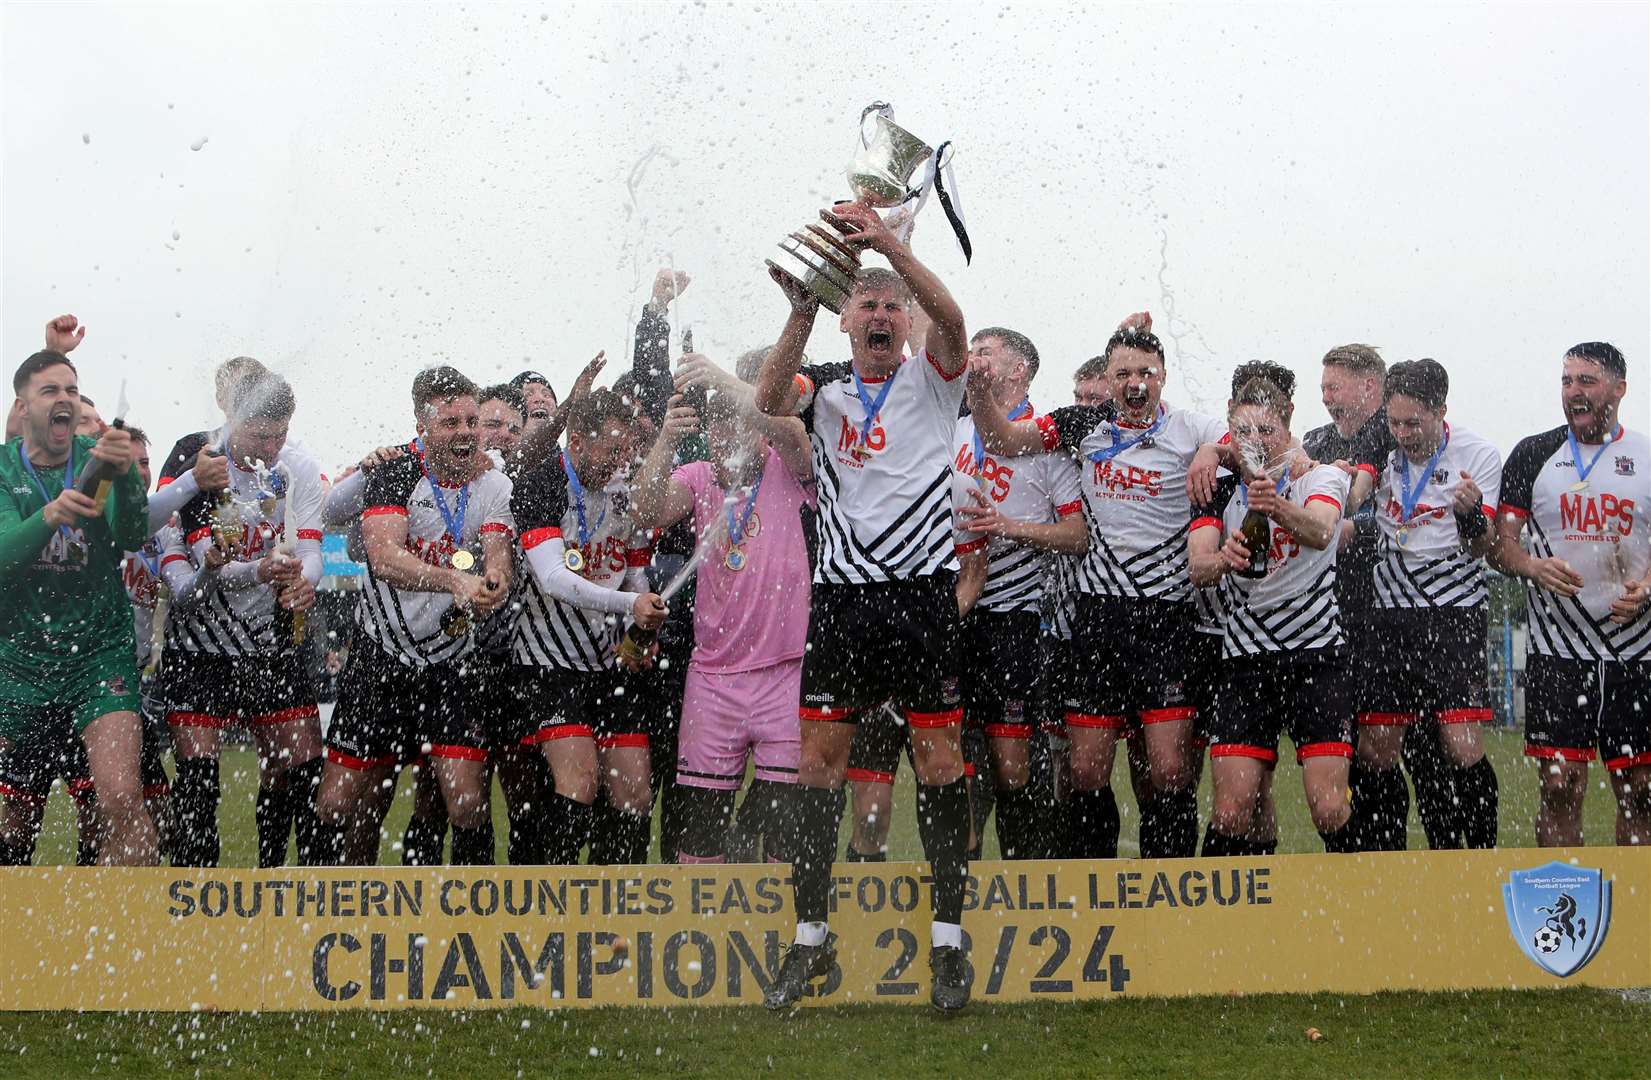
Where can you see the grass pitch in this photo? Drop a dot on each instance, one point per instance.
(1576, 1032)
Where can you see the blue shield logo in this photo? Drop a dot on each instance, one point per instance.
(1558, 915)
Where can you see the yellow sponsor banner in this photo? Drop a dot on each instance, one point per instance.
(459, 937)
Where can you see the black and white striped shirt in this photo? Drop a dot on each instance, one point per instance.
(885, 500)
(1294, 607)
(1421, 560)
(1040, 488)
(405, 623)
(553, 633)
(1603, 531)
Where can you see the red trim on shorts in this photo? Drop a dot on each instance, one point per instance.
(174, 557)
(1259, 753)
(80, 788)
(940, 370)
(827, 715)
(612, 742)
(1562, 753)
(1051, 433)
(199, 534)
(1386, 719)
(1324, 749)
(300, 712)
(1200, 743)
(195, 719)
(805, 385)
(33, 798)
(1332, 500)
(1092, 720)
(456, 753)
(374, 511)
(1008, 731)
(1068, 509)
(1464, 716)
(1632, 761)
(1369, 469)
(350, 761)
(559, 731)
(933, 719)
(155, 791)
(1490, 512)
(638, 556)
(1513, 511)
(534, 537)
(495, 527)
(1164, 716)
(868, 776)
(968, 771)
(1204, 523)
(309, 534)
(972, 545)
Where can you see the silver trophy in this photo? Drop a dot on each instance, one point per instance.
(816, 255)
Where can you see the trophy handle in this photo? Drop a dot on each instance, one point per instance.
(880, 107)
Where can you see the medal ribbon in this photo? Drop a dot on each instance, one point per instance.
(453, 520)
(873, 406)
(736, 530)
(1576, 452)
(1120, 445)
(1408, 498)
(68, 478)
(578, 490)
(1014, 414)
(1278, 489)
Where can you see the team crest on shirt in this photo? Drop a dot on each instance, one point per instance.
(1441, 477)
(948, 690)
(117, 685)
(1558, 915)
(1625, 466)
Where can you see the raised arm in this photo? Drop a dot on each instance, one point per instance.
(535, 449)
(786, 434)
(1315, 525)
(651, 360)
(776, 393)
(999, 434)
(947, 340)
(659, 500)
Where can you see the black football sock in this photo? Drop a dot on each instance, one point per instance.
(567, 824)
(1381, 807)
(1174, 832)
(1094, 827)
(195, 807)
(422, 843)
(1477, 797)
(1016, 811)
(474, 846)
(1265, 847)
(1218, 844)
(852, 855)
(765, 814)
(272, 815)
(303, 785)
(1434, 779)
(1149, 830)
(817, 814)
(943, 825)
(16, 852)
(525, 843)
(86, 838)
(706, 813)
(1340, 841)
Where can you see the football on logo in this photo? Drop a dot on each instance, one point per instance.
(1547, 940)
(1558, 914)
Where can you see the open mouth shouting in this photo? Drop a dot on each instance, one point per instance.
(461, 452)
(880, 340)
(62, 423)
(1135, 398)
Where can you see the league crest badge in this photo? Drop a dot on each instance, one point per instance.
(1558, 915)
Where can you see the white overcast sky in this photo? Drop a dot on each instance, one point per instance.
(384, 186)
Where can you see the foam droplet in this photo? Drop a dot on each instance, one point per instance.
(198, 143)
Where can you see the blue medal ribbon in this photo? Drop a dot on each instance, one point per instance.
(453, 520)
(1408, 497)
(1014, 414)
(1576, 453)
(578, 490)
(873, 406)
(736, 529)
(68, 479)
(1120, 445)
(1278, 488)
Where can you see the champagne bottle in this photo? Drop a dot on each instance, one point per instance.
(98, 476)
(633, 647)
(1257, 534)
(295, 619)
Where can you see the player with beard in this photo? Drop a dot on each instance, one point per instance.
(1133, 621)
(751, 611)
(438, 531)
(1028, 507)
(586, 573)
(522, 776)
(1583, 494)
(884, 615)
(1282, 641)
(66, 656)
(241, 568)
(1434, 505)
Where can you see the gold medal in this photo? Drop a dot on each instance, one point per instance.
(1580, 485)
(1404, 537)
(575, 559)
(736, 559)
(463, 560)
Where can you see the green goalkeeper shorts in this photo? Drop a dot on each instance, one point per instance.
(85, 689)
